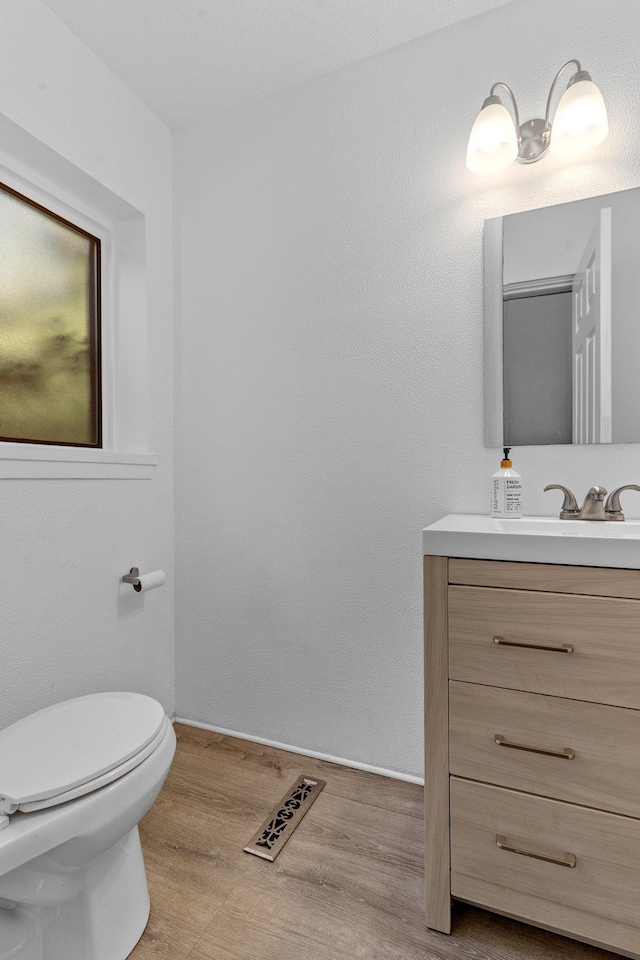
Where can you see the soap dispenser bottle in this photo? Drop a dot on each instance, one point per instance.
(506, 490)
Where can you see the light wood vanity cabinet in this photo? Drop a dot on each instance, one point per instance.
(532, 733)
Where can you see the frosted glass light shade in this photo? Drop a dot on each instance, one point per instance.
(580, 122)
(493, 143)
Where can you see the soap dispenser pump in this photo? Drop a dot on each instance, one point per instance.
(506, 490)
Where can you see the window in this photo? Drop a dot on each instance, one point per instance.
(50, 370)
(73, 321)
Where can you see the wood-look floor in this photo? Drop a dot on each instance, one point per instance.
(348, 885)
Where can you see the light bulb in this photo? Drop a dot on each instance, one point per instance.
(580, 122)
(493, 143)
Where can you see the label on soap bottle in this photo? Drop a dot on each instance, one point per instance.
(506, 500)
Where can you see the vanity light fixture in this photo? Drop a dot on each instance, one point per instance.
(579, 123)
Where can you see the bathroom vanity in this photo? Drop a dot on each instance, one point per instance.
(532, 724)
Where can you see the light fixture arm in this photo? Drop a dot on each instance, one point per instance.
(577, 123)
(547, 116)
(499, 83)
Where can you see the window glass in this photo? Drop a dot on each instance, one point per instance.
(49, 327)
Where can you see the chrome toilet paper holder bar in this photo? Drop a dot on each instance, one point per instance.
(133, 577)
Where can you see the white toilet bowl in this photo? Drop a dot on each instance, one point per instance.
(75, 780)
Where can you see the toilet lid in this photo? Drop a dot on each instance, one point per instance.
(51, 753)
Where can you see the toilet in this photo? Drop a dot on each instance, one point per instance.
(75, 780)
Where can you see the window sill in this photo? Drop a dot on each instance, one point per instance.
(24, 461)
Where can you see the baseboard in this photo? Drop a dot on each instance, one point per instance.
(354, 764)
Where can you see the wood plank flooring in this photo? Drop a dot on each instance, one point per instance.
(348, 885)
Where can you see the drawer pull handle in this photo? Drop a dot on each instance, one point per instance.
(567, 861)
(565, 648)
(566, 754)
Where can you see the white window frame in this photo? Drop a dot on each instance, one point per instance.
(124, 453)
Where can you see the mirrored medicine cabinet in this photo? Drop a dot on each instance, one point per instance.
(562, 323)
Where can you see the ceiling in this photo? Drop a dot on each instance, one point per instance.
(190, 58)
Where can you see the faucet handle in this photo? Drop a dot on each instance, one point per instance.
(612, 507)
(569, 509)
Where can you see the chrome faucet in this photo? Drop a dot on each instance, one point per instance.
(594, 506)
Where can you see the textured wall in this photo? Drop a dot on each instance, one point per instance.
(64, 629)
(330, 374)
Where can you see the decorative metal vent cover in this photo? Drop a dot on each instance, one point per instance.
(284, 818)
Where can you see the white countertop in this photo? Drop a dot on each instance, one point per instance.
(584, 543)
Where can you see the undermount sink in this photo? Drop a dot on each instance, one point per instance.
(535, 540)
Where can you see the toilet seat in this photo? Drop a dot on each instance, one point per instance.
(73, 748)
(102, 781)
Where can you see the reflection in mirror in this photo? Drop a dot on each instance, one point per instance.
(562, 315)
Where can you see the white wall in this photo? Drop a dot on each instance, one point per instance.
(330, 373)
(65, 630)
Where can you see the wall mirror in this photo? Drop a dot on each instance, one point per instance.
(562, 323)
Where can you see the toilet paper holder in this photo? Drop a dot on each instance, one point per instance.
(143, 582)
(133, 577)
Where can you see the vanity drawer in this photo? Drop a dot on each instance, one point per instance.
(550, 577)
(594, 641)
(593, 751)
(597, 899)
